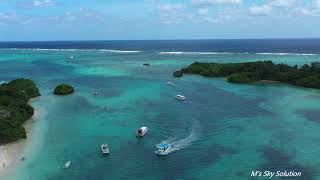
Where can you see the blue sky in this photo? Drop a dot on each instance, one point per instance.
(24, 20)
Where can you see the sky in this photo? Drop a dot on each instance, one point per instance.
(40, 20)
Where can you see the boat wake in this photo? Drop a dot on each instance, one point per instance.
(178, 144)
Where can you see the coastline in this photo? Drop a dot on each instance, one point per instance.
(11, 154)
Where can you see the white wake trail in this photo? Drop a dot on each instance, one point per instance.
(178, 144)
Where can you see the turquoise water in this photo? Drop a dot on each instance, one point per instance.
(223, 130)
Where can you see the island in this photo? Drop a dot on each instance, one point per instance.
(307, 75)
(14, 108)
(63, 89)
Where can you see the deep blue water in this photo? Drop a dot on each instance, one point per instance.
(235, 46)
(223, 130)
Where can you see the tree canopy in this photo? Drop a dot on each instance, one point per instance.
(307, 75)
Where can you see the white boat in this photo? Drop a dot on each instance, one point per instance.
(105, 149)
(180, 97)
(170, 83)
(71, 57)
(162, 149)
(67, 164)
(142, 131)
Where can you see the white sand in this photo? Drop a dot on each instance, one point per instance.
(12, 153)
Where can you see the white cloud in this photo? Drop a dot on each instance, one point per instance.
(260, 10)
(36, 3)
(203, 11)
(282, 3)
(207, 3)
(172, 13)
(311, 9)
(317, 3)
(171, 8)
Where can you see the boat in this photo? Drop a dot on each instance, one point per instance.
(105, 149)
(162, 149)
(170, 83)
(67, 164)
(71, 57)
(22, 158)
(142, 131)
(180, 97)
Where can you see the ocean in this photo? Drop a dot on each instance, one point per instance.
(223, 130)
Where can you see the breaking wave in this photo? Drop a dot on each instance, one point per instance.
(226, 53)
(71, 50)
(288, 54)
(198, 53)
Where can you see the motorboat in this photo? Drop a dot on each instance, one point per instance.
(142, 131)
(67, 164)
(71, 57)
(162, 149)
(170, 83)
(180, 97)
(105, 149)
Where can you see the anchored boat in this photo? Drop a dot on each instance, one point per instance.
(105, 149)
(142, 131)
(67, 164)
(180, 97)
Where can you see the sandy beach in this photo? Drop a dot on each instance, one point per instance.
(13, 153)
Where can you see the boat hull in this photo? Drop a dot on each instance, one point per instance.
(143, 131)
(181, 98)
(105, 150)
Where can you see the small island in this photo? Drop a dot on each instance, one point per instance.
(305, 76)
(14, 108)
(63, 89)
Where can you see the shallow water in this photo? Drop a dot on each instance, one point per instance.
(222, 131)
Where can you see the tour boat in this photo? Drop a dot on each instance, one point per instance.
(180, 97)
(162, 149)
(105, 149)
(142, 131)
(67, 164)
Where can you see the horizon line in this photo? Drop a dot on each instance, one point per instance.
(195, 39)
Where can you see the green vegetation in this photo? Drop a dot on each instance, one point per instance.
(63, 89)
(14, 108)
(305, 76)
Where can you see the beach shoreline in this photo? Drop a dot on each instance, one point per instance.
(13, 153)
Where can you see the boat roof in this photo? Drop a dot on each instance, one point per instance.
(143, 128)
(163, 145)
